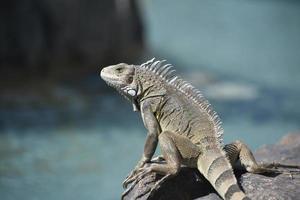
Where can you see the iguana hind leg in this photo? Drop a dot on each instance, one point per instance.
(238, 151)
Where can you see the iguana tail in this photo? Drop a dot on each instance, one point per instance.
(216, 168)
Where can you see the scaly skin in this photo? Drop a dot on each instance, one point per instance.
(188, 131)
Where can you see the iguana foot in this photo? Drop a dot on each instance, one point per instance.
(238, 151)
(129, 189)
(125, 182)
(134, 172)
(135, 177)
(276, 165)
(128, 177)
(132, 182)
(152, 190)
(138, 175)
(276, 168)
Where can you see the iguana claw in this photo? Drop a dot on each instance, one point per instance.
(278, 168)
(126, 181)
(137, 175)
(128, 189)
(133, 173)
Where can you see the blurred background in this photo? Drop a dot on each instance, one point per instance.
(65, 135)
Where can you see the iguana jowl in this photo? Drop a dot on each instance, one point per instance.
(188, 131)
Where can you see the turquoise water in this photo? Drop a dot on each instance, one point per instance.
(243, 55)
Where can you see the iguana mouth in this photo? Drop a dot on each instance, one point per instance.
(106, 77)
(109, 80)
(110, 83)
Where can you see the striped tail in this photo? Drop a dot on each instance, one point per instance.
(216, 168)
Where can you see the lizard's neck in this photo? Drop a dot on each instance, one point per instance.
(149, 86)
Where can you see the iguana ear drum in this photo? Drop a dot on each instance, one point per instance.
(131, 92)
(130, 75)
(130, 79)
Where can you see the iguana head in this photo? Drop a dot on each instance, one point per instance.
(122, 78)
(136, 82)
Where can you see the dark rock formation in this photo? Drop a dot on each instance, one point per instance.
(41, 36)
(189, 184)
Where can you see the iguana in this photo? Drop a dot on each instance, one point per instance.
(181, 120)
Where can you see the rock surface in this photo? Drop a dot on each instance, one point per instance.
(189, 184)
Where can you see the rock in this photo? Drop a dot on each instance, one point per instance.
(190, 184)
(42, 37)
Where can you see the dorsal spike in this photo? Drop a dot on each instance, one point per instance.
(158, 66)
(171, 81)
(177, 82)
(170, 73)
(161, 68)
(181, 83)
(165, 69)
(144, 65)
(153, 66)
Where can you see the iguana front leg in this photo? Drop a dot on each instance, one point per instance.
(170, 145)
(153, 128)
(238, 151)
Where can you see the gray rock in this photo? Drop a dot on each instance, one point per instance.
(189, 184)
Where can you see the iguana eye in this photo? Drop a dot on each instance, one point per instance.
(119, 69)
